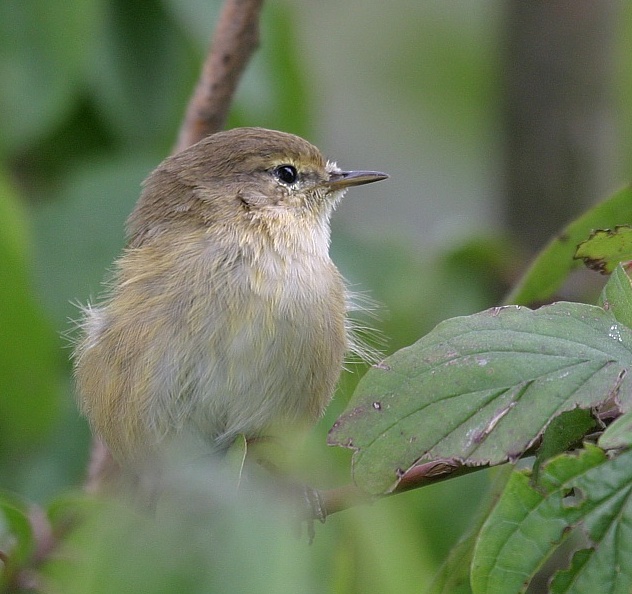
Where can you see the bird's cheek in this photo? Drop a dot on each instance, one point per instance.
(253, 199)
(292, 201)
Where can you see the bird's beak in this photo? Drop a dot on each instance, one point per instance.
(346, 179)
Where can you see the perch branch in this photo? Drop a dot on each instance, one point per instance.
(236, 38)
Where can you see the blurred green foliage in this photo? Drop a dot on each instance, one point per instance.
(91, 99)
(29, 364)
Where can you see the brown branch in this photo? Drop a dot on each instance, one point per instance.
(236, 38)
(19, 576)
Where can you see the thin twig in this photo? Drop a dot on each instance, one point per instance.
(236, 38)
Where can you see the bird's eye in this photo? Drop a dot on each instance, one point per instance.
(286, 174)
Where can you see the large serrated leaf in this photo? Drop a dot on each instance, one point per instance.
(529, 522)
(481, 389)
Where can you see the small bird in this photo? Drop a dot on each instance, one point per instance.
(225, 314)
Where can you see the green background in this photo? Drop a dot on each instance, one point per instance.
(91, 98)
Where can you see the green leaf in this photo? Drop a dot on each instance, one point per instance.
(564, 431)
(605, 248)
(142, 76)
(204, 536)
(28, 357)
(453, 576)
(616, 296)
(528, 524)
(89, 215)
(16, 535)
(563, 580)
(481, 389)
(549, 270)
(618, 434)
(44, 47)
(71, 508)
